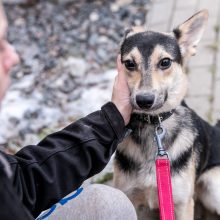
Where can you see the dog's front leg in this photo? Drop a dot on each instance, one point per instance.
(185, 211)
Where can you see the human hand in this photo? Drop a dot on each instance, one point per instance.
(121, 93)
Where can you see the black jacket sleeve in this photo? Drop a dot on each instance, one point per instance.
(11, 206)
(45, 173)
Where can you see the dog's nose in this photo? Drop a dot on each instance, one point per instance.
(145, 100)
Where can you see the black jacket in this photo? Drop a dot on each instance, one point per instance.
(43, 174)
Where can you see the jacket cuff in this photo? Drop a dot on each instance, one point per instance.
(115, 119)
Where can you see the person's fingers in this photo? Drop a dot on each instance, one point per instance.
(119, 64)
(121, 71)
(116, 81)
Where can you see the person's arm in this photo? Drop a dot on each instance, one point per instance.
(45, 173)
(11, 206)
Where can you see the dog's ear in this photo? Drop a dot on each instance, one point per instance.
(133, 30)
(190, 32)
(130, 32)
(127, 31)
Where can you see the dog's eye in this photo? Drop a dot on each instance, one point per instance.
(165, 63)
(130, 65)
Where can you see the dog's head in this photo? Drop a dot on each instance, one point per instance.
(154, 64)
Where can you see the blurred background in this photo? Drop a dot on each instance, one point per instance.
(68, 51)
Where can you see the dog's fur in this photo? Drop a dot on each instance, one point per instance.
(192, 144)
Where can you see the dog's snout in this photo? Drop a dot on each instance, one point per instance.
(145, 100)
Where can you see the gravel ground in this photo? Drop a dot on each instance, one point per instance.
(68, 50)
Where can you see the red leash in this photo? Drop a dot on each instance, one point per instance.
(164, 185)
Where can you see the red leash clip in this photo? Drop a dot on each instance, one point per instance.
(164, 184)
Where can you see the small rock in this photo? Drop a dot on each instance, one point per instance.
(93, 39)
(51, 63)
(114, 7)
(94, 16)
(137, 22)
(20, 22)
(103, 39)
(76, 66)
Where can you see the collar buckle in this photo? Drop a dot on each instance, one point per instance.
(160, 119)
(154, 119)
(148, 119)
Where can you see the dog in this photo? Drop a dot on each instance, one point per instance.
(155, 63)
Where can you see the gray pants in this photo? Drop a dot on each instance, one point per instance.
(96, 202)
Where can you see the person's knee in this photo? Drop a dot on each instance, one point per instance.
(98, 202)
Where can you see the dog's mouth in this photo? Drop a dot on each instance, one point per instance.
(153, 110)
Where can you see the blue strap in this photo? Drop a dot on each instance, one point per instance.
(61, 202)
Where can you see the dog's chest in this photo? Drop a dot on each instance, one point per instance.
(145, 178)
(141, 148)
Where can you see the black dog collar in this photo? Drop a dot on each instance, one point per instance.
(153, 119)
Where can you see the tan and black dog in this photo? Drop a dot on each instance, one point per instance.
(154, 64)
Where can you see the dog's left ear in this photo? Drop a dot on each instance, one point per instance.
(190, 32)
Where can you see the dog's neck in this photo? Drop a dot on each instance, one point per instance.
(153, 119)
